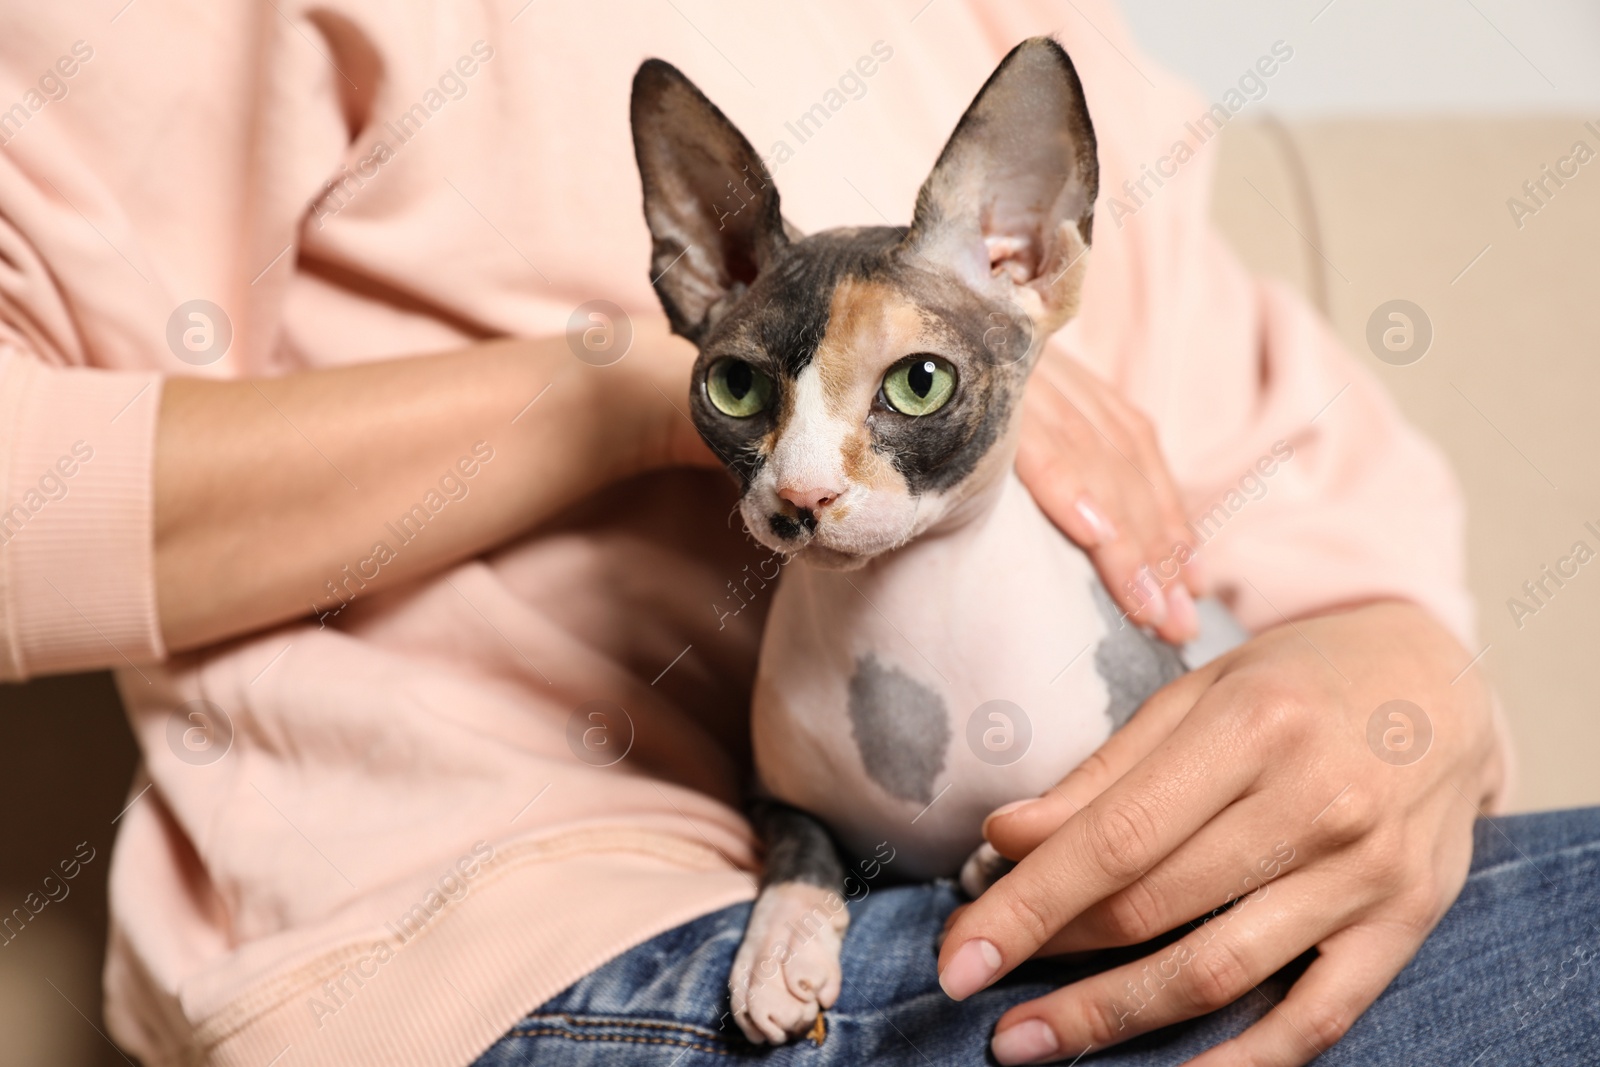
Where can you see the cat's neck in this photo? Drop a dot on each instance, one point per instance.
(972, 510)
(1001, 524)
(989, 485)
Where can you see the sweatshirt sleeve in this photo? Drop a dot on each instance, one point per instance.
(1323, 494)
(77, 585)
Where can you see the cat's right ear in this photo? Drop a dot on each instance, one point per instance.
(708, 199)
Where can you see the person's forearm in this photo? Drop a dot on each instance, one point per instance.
(275, 498)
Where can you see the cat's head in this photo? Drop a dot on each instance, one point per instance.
(863, 384)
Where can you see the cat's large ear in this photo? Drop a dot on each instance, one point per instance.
(1010, 204)
(708, 199)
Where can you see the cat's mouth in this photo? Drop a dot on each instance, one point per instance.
(818, 539)
(798, 537)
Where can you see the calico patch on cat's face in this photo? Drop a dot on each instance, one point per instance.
(863, 383)
(853, 394)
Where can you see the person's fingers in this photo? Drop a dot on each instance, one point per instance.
(1145, 443)
(1352, 970)
(1059, 490)
(1233, 855)
(1125, 569)
(949, 921)
(1079, 484)
(1113, 451)
(1154, 496)
(1017, 829)
(1145, 815)
(1146, 584)
(1207, 969)
(1055, 452)
(1172, 546)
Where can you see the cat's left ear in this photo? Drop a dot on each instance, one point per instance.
(1009, 207)
(708, 199)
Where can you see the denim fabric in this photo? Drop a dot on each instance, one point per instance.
(1510, 976)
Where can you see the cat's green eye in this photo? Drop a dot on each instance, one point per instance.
(920, 385)
(736, 388)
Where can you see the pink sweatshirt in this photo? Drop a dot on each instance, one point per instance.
(399, 853)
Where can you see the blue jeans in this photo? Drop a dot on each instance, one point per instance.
(1510, 976)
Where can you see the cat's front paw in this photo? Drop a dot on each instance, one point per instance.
(787, 968)
(983, 869)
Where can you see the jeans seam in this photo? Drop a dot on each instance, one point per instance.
(622, 1021)
(521, 1031)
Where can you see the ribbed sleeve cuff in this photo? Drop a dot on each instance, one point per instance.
(77, 574)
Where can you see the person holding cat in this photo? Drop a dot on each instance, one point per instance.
(373, 462)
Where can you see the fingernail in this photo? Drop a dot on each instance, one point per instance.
(1026, 1042)
(1152, 610)
(1103, 529)
(972, 967)
(1004, 809)
(1185, 621)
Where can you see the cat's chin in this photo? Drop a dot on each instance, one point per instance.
(832, 559)
(823, 557)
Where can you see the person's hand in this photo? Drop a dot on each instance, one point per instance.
(656, 371)
(1093, 465)
(1269, 779)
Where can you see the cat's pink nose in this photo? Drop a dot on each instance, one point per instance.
(809, 499)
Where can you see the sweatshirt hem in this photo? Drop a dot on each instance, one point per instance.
(445, 994)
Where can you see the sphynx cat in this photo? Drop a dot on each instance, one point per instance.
(936, 647)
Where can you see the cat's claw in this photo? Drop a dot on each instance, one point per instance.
(787, 968)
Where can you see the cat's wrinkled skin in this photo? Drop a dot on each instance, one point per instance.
(927, 586)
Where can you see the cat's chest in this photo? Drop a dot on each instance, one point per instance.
(904, 702)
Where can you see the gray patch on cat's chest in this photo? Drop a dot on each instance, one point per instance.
(901, 729)
(1132, 663)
